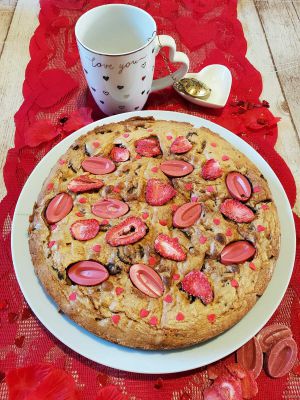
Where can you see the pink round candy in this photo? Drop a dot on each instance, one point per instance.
(187, 215)
(98, 165)
(59, 207)
(146, 280)
(176, 168)
(110, 208)
(88, 273)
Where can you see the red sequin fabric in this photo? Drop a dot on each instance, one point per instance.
(57, 102)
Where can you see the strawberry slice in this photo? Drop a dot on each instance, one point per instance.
(169, 248)
(215, 370)
(236, 370)
(158, 192)
(148, 147)
(128, 231)
(40, 381)
(119, 154)
(84, 183)
(237, 211)
(225, 387)
(196, 284)
(248, 382)
(211, 170)
(181, 145)
(85, 229)
(212, 393)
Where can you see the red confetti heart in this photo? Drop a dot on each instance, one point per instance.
(40, 381)
(19, 341)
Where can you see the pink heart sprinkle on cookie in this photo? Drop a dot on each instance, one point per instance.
(116, 189)
(119, 290)
(228, 232)
(73, 296)
(256, 189)
(50, 186)
(265, 207)
(210, 189)
(176, 277)
(211, 317)
(125, 135)
(153, 321)
(234, 283)
(96, 248)
(260, 228)
(61, 161)
(82, 200)
(168, 298)
(188, 186)
(115, 319)
(225, 157)
(216, 221)
(96, 144)
(152, 261)
(169, 137)
(154, 169)
(213, 144)
(180, 316)
(202, 239)
(144, 313)
(163, 222)
(51, 244)
(145, 215)
(194, 198)
(252, 266)
(79, 214)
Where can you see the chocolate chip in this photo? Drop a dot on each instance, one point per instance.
(113, 269)
(75, 147)
(220, 238)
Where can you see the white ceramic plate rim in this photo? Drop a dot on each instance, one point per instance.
(154, 362)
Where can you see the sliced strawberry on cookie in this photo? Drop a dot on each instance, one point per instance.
(159, 192)
(169, 248)
(211, 170)
(237, 211)
(148, 147)
(85, 229)
(84, 183)
(119, 154)
(196, 284)
(181, 145)
(129, 231)
(225, 387)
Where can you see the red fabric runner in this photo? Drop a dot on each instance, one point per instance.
(57, 102)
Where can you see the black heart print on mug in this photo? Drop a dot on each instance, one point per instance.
(144, 65)
(106, 78)
(93, 89)
(120, 87)
(106, 93)
(143, 77)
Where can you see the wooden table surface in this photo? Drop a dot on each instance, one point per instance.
(272, 29)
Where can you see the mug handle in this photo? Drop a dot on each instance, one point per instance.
(175, 56)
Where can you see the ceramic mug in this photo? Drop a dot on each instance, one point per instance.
(117, 45)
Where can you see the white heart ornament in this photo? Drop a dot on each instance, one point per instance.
(218, 78)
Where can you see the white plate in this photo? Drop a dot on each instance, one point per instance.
(123, 358)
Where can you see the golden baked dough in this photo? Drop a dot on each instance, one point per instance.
(116, 309)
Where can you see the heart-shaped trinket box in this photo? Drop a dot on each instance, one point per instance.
(218, 78)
